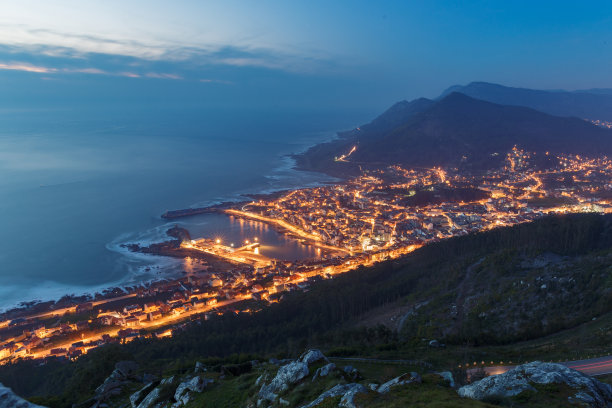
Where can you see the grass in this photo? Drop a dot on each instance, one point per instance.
(232, 392)
(429, 394)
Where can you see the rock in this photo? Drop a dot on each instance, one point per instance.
(196, 384)
(348, 399)
(312, 356)
(137, 397)
(261, 379)
(521, 378)
(124, 372)
(324, 371)
(266, 394)
(340, 389)
(150, 399)
(436, 344)
(373, 386)
(287, 375)
(199, 368)
(283, 402)
(352, 372)
(448, 376)
(403, 379)
(109, 387)
(9, 400)
(126, 369)
(168, 380)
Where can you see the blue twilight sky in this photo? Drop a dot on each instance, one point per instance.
(305, 54)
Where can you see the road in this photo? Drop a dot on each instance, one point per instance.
(592, 366)
(71, 309)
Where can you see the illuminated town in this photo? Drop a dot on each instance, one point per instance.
(380, 215)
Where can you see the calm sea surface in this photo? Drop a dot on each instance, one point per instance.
(75, 184)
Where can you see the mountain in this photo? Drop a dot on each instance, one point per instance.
(458, 130)
(584, 104)
(395, 116)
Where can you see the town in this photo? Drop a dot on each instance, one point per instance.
(382, 214)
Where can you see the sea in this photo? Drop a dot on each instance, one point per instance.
(78, 182)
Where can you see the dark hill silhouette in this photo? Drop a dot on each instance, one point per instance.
(461, 131)
(587, 104)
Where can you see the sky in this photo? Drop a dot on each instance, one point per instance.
(303, 54)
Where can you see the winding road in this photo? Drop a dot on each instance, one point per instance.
(592, 366)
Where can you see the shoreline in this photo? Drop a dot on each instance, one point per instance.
(77, 293)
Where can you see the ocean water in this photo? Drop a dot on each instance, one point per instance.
(76, 183)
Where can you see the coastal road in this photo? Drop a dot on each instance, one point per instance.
(60, 312)
(592, 366)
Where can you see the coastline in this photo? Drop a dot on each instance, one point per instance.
(166, 266)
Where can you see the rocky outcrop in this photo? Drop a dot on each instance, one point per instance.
(312, 356)
(404, 379)
(9, 400)
(153, 396)
(137, 397)
(523, 377)
(448, 377)
(123, 374)
(185, 390)
(352, 373)
(199, 368)
(324, 371)
(290, 374)
(287, 375)
(347, 391)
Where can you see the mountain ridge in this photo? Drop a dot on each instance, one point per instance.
(585, 104)
(459, 131)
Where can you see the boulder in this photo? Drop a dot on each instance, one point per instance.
(521, 378)
(287, 375)
(150, 399)
(196, 384)
(9, 400)
(352, 372)
(137, 397)
(448, 376)
(199, 368)
(404, 379)
(348, 399)
(436, 344)
(324, 371)
(312, 356)
(113, 385)
(339, 390)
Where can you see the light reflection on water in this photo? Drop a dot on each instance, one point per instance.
(237, 231)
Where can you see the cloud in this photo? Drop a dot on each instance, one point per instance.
(56, 44)
(216, 81)
(39, 69)
(23, 66)
(162, 75)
